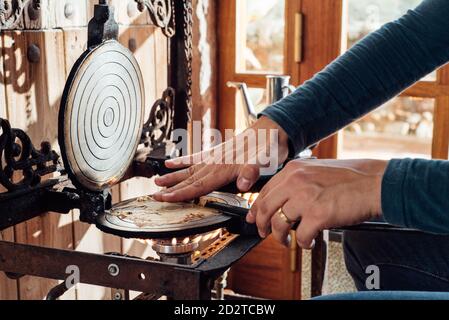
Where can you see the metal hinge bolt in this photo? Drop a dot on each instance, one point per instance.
(113, 270)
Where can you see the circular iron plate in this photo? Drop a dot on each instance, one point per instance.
(101, 116)
(113, 221)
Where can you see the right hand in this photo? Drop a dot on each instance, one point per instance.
(210, 170)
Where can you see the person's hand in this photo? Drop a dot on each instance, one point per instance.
(240, 158)
(322, 194)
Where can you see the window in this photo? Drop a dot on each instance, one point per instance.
(406, 125)
(403, 127)
(262, 40)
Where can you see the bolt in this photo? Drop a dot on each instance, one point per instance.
(34, 54)
(113, 270)
(117, 296)
(69, 10)
(132, 45)
(37, 4)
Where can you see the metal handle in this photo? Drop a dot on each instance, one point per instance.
(290, 88)
(250, 111)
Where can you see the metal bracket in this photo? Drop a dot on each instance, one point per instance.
(18, 154)
(102, 26)
(159, 126)
(161, 13)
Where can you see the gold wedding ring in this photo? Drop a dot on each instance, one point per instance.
(284, 217)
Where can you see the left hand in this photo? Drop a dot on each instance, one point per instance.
(322, 194)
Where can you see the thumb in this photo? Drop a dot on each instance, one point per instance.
(248, 175)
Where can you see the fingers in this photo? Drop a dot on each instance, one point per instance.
(265, 207)
(274, 181)
(172, 179)
(191, 177)
(247, 177)
(306, 233)
(212, 156)
(281, 228)
(186, 191)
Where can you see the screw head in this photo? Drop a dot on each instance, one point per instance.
(69, 10)
(113, 270)
(117, 296)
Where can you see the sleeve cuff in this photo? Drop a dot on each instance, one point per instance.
(392, 192)
(296, 140)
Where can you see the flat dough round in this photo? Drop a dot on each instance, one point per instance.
(147, 212)
(144, 217)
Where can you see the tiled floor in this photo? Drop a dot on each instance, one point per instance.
(337, 279)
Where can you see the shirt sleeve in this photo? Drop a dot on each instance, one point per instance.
(373, 71)
(415, 194)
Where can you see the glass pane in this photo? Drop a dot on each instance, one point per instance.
(262, 23)
(366, 16)
(401, 128)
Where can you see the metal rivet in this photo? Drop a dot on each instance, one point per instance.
(117, 296)
(69, 10)
(34, 54)
(132, 45)
(113, 270)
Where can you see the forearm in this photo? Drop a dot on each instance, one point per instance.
(372, 72)
(415, 194)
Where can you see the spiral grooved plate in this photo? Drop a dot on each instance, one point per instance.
(101, 116)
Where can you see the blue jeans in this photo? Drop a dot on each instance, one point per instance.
(406, 261)
(387, 295)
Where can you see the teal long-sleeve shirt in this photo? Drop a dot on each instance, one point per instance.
(415, 192)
